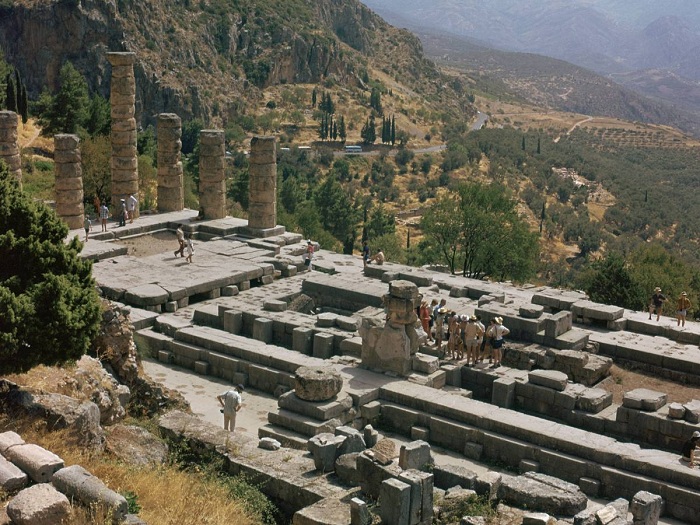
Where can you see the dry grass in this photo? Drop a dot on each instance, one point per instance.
(623, 380)
(166, 494)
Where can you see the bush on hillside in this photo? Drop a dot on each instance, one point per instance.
(49, 309)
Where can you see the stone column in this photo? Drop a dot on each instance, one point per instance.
(170, 178)
(69, 180)
(9, 148)
(212, 183)
(262, 207)
(124, 162)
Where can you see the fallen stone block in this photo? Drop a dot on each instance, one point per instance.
(268, 443)
(354, 441)
(372, 473)
(317, 383)
(359, 512)
(425, 364)
(324, 449)
(346, 323)
(37, 462)
(76, 482)
(323, 345)
(646, 508)
(589, 486)
(676, 411)
(531, 311)
(9, 439)
(538, 518)
(40, 504)
(539, 491)
(488, 484)
(346, 468)
(11, 477)
(549, 378)
(644, 399)
(326, 320)
(593, 400)
(371, 436)
(274, 305)
(692, 411)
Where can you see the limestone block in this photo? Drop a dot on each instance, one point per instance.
(37, 462)
(404, 290)
(447, 476)
(323, 345)
(415, 455)
(421, 503)
(346, 323)
(68, 183)
(354, 440)
(644, 399)
(359, 512)
(419, 433)
(370, 436)
(646, 508)
(326, 320)
(121, 58)
(316, 383)
(262, 329)
(558, 324)
(11, 477)
(78, 483)
(473, 451)
(395, 501)
(425, 364)
(324, 449)
(539, 491)
(124, 163)
(40, 504)
(233, 321)
(346, 469)
(676, 411)
(593, 400)
(549, 378)
(302, 340)
(268, 443)
(9, 119)
(370, 411)
(488, 484)
(692, 411)
(528, 465)
(538, 518)
(589, 486)
(503, 392)
(273, 305)
(531, 311)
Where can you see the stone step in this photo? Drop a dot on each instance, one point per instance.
(303, 425)
(288, 438)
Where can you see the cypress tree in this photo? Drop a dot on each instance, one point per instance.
(341, 129)
(393, 130)
(23, 104)
(313, 98)
(538, 145)
(10, 94)
(522, 146)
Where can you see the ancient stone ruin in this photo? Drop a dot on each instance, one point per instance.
(262, 212)
(170, 172)
(212, 183)
(124, 162)
(69, 180)
(9, 147)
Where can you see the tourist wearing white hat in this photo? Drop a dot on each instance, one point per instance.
(498, 332)
(683, 307)
(688, 450)
(657, 303)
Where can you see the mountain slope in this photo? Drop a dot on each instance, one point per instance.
(200, 59)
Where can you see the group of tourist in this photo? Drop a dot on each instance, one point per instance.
(656, 306)
(465, 335)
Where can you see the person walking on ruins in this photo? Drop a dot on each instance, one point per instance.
(104, 215)
(309, 255)
(131, 204)
(87, 224)
(688, 450)
(189, 247)
(498, 332)
(683, 307)
(123, 214)
(181, 241)
(656, 304)
(365, 253)
(231, 402)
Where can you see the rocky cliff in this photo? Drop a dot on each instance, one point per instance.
(199, 59)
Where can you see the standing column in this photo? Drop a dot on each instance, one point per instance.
(9, 148)
(212, 183)
(69, 180)
(170, 178)
(262, 207)
(124, 162)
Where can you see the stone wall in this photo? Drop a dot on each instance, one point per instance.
(69, 180)
(9, 147)
(170, 172)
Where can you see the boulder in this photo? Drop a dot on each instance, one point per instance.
(135, 445)
(268, 443)
(40, 504)
(317, 383)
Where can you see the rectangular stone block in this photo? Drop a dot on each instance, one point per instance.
(415, 455)
(448, 476)
(351, 346)
(395, 501)
(262, 329)
(589, 486)
(473, 451)
(549, 378)
(421, 484)
(11, 477)
(201, 367)
(370, 411)
(302, 340)
(420, 433)
(165, 357)
(323, 345)
(528, 465)
(233, 321)
(229, 291)
(425, 364)
(644, 399)
(503, 394)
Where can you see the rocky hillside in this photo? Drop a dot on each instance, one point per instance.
(201, 58)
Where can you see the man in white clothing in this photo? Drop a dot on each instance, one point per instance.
(231, 401)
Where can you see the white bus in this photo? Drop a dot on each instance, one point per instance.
(353, 149)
